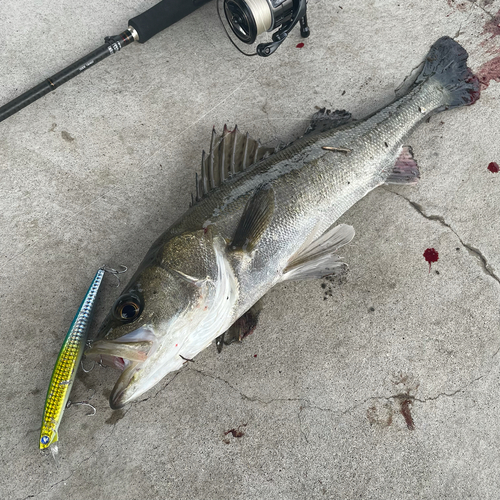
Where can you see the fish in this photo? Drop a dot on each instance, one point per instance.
(66, 366)
(262, 216)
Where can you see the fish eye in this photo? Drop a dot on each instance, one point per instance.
(45, 439)
(127, 309)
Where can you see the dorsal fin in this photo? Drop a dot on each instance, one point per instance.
(230, 153)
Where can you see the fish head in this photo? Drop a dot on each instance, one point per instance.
(174, 306)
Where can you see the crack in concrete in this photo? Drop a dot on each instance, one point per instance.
(258, 400)
(304, 435)
(245, 396)
(160, 390)
(459, 31)
(405, 396)
(476, 4)
(485, 266)
(307, 403)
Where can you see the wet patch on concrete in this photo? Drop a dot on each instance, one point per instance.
(67, 136)
(116, 416)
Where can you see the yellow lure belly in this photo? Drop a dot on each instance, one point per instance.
(66, 366)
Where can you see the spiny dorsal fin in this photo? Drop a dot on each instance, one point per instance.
(230, 153)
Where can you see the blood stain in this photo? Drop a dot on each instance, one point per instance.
(255, 355)
(237, 433)
(492, 27)
(300, 45)
(405, 411)
(459, 6)
(490, 70)
(493, 167)
(431, 255)
(475, 92)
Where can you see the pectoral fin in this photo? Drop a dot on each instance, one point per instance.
(318, 260)
(256, 217)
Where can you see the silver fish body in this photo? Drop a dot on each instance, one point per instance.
(265, 224)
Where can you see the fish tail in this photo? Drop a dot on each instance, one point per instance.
(446, 65)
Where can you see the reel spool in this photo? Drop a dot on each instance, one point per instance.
(247, 20)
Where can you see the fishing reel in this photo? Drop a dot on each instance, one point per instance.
(245, 20)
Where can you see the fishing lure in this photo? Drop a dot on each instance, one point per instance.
(67, 363)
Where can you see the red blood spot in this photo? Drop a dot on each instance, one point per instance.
(405, 411)
(255, 355)
(235, 433)
(176, 345)
(493, 167)
(431, 255)
(490, 70)
(300, 45)
(475, 93)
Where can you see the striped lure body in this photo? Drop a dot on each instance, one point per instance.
(66, 366)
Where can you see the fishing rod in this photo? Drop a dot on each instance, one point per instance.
(140, 29)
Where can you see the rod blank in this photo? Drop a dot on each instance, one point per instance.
(141, 29)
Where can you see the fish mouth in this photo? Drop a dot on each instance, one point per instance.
(128, 354)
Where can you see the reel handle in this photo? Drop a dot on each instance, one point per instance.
(161, 16)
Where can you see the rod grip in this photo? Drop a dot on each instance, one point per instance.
(161, 16)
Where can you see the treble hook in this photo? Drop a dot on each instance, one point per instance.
(88, 344)
(83, 403)
(114, 272)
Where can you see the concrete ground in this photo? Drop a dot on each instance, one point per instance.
(386, 388)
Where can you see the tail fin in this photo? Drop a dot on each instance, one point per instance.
(446, 63)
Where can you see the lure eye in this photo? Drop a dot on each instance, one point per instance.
(45, 439)
(128, 309)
